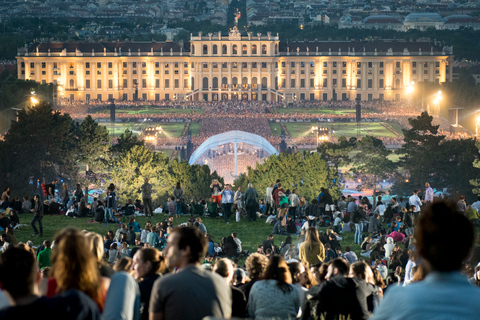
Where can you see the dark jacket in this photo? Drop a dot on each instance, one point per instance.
(358, 216)
(251, 197)
(374, 225)
(38, 209)
(344, 296)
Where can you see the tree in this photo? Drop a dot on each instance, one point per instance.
(476, 165)
(132, 168)
(125, 142)
(37, 147)
(93, 144)
(371, 161)
(306, 175)
(420, 154)
(337, 153)
(195, 179)
(455, 169)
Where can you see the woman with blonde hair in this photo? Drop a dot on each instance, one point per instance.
(97, 248)
(73, 266)
(283, 300)
(311, 251)
(65, 196)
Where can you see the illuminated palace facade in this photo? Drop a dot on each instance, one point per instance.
(235, 67)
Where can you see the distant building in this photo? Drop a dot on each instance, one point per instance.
(460, 21)
(235, 67)
(423, 21)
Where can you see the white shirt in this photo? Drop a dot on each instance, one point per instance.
(414, 200)
(268, 194)
(293, 197)
(380, 209)
(429, 194)
(476, 205)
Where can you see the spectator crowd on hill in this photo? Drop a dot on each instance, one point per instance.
(170, 271)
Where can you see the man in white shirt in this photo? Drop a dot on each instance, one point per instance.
(428, 193)
(414, 200)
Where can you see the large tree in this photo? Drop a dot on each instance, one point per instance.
(337, 153)
(371, 162)
(420, 154)
(37, 147)
(455, 169)
(306, 173)
(93, 144)
(130, 171)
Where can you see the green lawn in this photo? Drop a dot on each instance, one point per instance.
(251, 234)
(169, 129)
(152, 110)
(348, 129)
(195, 127)
(320, 111)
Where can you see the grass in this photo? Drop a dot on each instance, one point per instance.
(153, 110)
(169, 129)
(320, 111)
(251, 234)
(347, 129)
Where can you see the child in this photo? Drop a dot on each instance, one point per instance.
(113, 254)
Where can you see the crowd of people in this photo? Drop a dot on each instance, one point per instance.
(254, 116)
(171, 271)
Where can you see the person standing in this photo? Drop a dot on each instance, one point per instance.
(78, 193)
(428, 193)
(414, 200)
(216, 187)
(358, 217)
(269, 200)
(51, 189)
(227, 201)
(65, 197)
(238, 203)
(178, 195)
(37, 216)
(251, 203)
(294, 200)
(110, 205)
(275, 195)
(192, 292)
(146, 189)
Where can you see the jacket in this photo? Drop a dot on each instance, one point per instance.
(251, 197)
(38, 210)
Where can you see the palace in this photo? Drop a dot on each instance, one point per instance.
(235, 67)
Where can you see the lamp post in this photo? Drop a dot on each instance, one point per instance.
(437, 99)
(477, 128)
(409, 91)
(314, 130)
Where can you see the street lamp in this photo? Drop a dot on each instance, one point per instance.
(437, 99)
(314, 130)
(410, 89)
(477, 128)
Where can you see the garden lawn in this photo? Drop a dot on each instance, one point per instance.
(169, 129)
(153, 110)
(347, 129)
(320, 111)
(251, 234)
